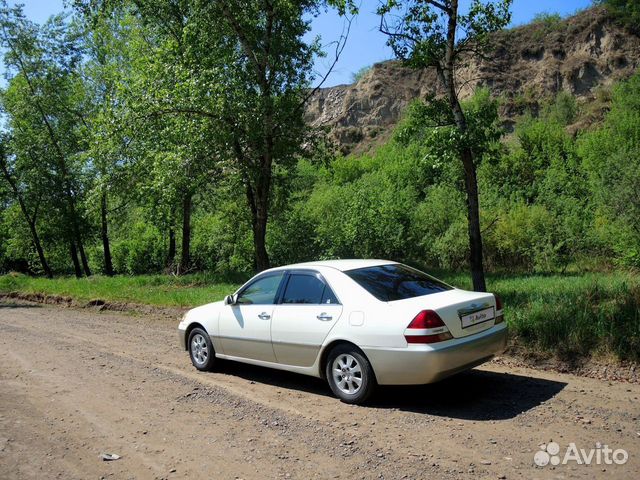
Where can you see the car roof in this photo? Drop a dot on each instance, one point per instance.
(342, 265)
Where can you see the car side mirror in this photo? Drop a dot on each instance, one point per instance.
(230, 299)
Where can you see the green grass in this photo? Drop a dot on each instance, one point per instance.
(158, 290)
(571, 315)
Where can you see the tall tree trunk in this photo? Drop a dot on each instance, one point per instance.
(74, 258)
(473, 218)
(171, 256)
(260, 238)
(31, 221)
(104, 230)
(446, 72)
(258, 205)
(36, 243)
(185, 257)
(83, 256)
(259, 187)
(76, 229)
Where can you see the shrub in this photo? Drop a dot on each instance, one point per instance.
(222, 241)
(439, 228)
(549, 20)
(524, 235)
(143, 251)
(627, 11)
(562, 110)
(611, 158)
(357, 76)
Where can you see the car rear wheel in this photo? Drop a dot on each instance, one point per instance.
(201, 351)
(350, 375)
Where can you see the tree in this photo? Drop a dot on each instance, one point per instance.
(28, 195)
(178, 143)
(423, 33)
(271, 71)
(143, 69)
(101, 72)
(43, 101)
(245, 69)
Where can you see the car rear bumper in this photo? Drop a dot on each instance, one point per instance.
(420, 364)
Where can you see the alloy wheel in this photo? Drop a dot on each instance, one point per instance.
(347, 373)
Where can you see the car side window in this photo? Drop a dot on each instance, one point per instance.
(261, 292)
(307, 289)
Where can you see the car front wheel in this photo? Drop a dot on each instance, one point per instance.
(201, 350)
(350, 375)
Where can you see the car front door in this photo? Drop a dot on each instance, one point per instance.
(302, 320)
(245, 327)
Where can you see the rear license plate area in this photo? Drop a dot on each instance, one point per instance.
(479, 316)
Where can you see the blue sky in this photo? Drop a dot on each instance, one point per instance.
(365, 45)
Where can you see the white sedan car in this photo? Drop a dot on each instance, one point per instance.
(355, 323)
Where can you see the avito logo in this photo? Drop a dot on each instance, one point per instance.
(601, 455)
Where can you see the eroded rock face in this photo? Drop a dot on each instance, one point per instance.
(526, 64)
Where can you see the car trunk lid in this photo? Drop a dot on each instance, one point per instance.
(464, 313)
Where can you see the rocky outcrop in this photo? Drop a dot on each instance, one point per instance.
(578, 55)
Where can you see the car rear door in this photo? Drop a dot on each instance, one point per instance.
(245, 328)
(307, 311)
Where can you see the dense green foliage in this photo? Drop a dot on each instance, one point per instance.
(136, 108)
(549, 202)
(611, 159)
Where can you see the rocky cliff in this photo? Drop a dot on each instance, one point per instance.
(578, 54)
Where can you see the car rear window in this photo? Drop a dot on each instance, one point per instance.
(396, 282)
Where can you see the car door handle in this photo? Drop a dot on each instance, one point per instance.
(264, 316)
(324, 317)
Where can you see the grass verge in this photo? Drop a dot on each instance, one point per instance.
(571, 316)
(156, 290)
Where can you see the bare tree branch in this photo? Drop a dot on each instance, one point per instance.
(340, 44)
(383, 28)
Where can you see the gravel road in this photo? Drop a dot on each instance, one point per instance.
(76, 383)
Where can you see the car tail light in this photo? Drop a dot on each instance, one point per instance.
(498, 302)
(426, 319)
(499, 318)
(427, 327)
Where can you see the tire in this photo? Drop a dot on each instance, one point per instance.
(201, 351)
(345, 365)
